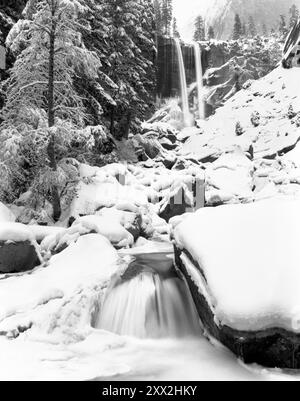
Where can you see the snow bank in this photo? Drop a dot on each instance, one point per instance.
(15, 232)
(88, 262)
(250, 256)
(275, 130)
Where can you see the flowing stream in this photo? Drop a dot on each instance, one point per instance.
(149, 300)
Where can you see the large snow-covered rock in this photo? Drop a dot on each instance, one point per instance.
(18, 249)
(231, 174)
(242, 263)
(63, 293)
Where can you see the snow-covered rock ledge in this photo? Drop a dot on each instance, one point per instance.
(245, 278)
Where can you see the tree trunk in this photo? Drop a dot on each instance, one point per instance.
(51, 117)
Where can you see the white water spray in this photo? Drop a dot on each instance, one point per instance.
(183, 86)
(149, 304)
(199, 78)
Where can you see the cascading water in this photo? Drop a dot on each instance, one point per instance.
(149, 301)
(199, 79)
(183, 86)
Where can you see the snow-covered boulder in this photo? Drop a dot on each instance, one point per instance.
(131, 220)
(63, 296)
(231, 174)
(109, 228)
(242, 265)
(18, 249)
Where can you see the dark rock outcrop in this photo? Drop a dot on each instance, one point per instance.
(16, 257)
(273, 347)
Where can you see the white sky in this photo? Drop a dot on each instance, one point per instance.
(185, 11)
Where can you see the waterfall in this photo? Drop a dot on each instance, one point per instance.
(149, 301)
(183, 86)
(199, 78)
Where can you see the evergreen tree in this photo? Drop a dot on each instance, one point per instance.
(158, 16)
(176, 33)
(251, 27)
(294, 15)
(10, 12)
(244, 30)
(167, 16)
(129, 54)
(199, 33)
(273, 33)
(264, 30)
(211, 33)
(283, 31)
(41, 83)
(237, 28)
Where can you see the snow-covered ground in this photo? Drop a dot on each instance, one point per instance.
(104, 356)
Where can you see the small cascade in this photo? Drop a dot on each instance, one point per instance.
(199, 80)
(149, 301)
(183, 86)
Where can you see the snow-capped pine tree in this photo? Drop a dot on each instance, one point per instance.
(130, 54)
(176, 33)
(244, 30)
(264, 30)
(167, 16)
(294, 15)
(96, 38)
(158, 16)
(283, 31)
(10, 12)
(41, 82)
(251, 27)
(237, 28)
(199, 33)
